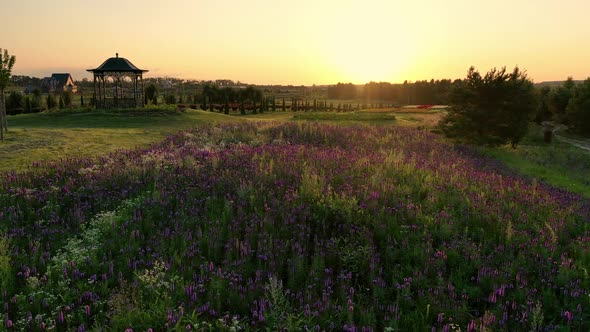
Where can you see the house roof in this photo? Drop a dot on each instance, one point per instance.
(62, 79)
(117, 64)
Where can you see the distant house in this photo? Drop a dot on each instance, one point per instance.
(58, 83)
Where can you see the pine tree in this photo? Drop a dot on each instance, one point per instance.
(492, 110)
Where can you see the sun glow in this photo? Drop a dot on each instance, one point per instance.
(364, 65)
(311, 42)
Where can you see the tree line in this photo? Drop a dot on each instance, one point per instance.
(567, 104)
(496, 108)
(434, 92)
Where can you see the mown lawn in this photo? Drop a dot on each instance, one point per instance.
(82, 133)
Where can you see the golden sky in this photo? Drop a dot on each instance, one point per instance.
(300, 42)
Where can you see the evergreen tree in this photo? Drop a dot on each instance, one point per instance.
(490, 110)
(151, 93)
(28, 106)
(51, 102)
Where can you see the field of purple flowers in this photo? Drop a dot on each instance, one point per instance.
(291, 227)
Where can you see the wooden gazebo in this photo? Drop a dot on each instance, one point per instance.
(118, 83)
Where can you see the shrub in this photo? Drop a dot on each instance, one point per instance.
(67, 98)
(170, 99)
(15, 100)
(28, 106)
(151, 93)
(51, 102)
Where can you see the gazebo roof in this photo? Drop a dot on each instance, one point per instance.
(116, 64)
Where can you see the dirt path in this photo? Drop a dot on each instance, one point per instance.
(584, 145)
(580, 144)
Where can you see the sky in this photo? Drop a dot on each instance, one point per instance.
(300, 42)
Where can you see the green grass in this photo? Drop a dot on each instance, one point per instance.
(344, 116)
(51, 136)
(559, 164)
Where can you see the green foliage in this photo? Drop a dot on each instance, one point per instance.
(559, 99)
(51, 101)
(170, 99)
(36, 101)
(28, 106)
(151, 93)
(15, 102)
(61, 103)
(490, 110)
(543, 113)
(6, 276)
(6, 63)
(578, 109)
(67, 98)
(281, 317)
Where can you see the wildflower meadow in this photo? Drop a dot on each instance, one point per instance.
(291, 226)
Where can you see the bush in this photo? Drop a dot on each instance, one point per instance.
(170, 99)
(28, 106)
(36, 102)
(151, 93)
(66, 96)
(51, 101)
(15, 100)
(490, 110)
